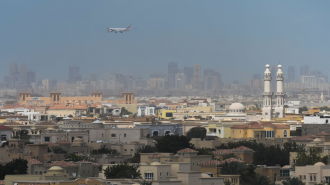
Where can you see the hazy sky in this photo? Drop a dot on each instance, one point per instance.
(235, 37)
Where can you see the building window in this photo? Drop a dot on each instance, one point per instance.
(160, 174)
(285, 133)
(149, 176)
(3, 137)
(113, 135)
(124, 135)
(311, 178)
(47, 139)
(269, 134)
(327, 179)
(304, 177)
(314, 177)
(219, 131)
(294, 161)
(131, 150)
(168, 174)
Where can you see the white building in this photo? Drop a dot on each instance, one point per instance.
(146, 111)
(317, 119)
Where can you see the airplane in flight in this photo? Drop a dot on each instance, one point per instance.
(121, 30)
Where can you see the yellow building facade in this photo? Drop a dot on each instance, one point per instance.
(165, 114)
(260, 130)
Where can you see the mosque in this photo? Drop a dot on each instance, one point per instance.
(237, 110)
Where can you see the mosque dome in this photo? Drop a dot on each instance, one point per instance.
(205, 175)
(317, 139)
(55, 170)
(319, 164)
(155, 163)
(236, 108)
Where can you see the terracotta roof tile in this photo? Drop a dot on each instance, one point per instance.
(61, 106)
(301, 138)
(322, 134)
(229, 160)
(187, 150)
(53, 144)
(96, 164)
(61, 164)
(12, 123)
(63, 142)
(210, 163)
(242, 148)
(5, 128)
(34, 161)
(223, 151)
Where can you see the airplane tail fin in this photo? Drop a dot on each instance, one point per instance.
(128, 27)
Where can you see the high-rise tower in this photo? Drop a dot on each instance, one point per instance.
(279, 109)
(267, 112)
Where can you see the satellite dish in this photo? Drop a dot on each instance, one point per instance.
(74, 174)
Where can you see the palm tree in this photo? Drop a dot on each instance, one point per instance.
(235, 168)
(293, 181)
(261, 180)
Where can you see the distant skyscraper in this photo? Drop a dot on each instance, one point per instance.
(304, 70)
(257, 77)
(22, 69)
(30, 77)
(189, 73)
(13, 69)
(93, 77)
(291, 74)
(197, 76)
(74, 74)
(172, 68)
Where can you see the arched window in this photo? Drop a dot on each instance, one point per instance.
(113, 135)
(3, 137)
(155, 133)
(219, 131)
(285, 133)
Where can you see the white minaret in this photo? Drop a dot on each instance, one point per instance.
(279, 109)
(267, 112)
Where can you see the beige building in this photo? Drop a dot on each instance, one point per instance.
(313, 174)
(186, 156)
(56, 98)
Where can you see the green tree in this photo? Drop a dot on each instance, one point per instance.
(104, 150)
(235, 168)
(16, 166)
(173, 143)
(58, 119)
(293, 181)
(121, 171)
(269, 155)
(124, 111)
(312, 156)
(261, 180)
(227, 182)
(75, 158)
(326, 108)
(204, 151)
(59, 151)
(22, 135)
(197, 132)
(144, 149)
(301, 109)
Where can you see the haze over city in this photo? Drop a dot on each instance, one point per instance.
(223, 35)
